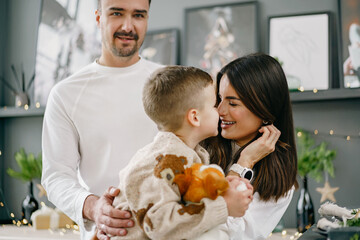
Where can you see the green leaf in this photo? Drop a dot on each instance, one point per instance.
(313, 160)
(30, 167)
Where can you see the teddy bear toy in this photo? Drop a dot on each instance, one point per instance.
(201, 181)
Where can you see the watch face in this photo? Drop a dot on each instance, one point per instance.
(248, 175)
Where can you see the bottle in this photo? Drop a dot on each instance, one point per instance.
(305, 209)
(29, 205)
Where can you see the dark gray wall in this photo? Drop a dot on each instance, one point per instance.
(341, 115)
(2, 43)
(21, 24)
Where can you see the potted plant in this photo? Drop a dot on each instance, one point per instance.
(30, 168)
(313, 161)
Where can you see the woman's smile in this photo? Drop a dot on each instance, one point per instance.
(226, 124)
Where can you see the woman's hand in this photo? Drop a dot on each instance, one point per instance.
(238, 201)
(108, 219)
(261, 147)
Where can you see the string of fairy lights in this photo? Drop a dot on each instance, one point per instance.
(290, 235)
(26, 106)
(331, 133)
(69, 228)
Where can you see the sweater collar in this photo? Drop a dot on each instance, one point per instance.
(171, 138)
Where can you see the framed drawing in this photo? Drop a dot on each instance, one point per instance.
(350, 39)
(68, 39)
(161, 46)
(301, 43)
(215, 35)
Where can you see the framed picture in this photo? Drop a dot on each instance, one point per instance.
(215, 35)
(350, 39)
(301, 43)
(161, 46)
(68, 39)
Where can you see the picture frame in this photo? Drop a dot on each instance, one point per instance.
(349, 22)
(161, 46)
(302, 44)
(217, 34)
(66, 42)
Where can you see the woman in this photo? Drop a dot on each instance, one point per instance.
(254, 104)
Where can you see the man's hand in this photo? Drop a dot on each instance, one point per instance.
(107, 219)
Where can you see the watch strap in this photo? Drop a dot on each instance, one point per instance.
(244, 172)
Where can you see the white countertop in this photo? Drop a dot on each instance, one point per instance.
(13, 232)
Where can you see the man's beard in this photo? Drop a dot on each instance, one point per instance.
(125, 52)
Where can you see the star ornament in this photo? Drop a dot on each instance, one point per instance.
(327, 192)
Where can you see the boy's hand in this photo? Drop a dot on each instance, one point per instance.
(238, 201)
(107, 219)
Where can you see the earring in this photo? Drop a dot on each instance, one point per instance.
(265, 122)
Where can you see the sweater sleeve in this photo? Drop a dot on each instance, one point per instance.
(260, 219)
(161, 214)
(61, 157)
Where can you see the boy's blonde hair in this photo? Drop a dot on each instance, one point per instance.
(171, 92)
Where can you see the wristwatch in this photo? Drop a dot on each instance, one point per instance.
(242, 171)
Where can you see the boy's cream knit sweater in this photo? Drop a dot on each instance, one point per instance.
(147, 189)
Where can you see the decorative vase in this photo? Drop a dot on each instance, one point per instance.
(304, 209)
(21, 99)
(29, 205)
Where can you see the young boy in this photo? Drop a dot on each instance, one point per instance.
(182, 102)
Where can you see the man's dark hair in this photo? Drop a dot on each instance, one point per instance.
(99, 4)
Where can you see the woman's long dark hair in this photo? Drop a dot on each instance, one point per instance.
(261, 84)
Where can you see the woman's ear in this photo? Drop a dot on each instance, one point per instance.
(97, 17)
(193, 117)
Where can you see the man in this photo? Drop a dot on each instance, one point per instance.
(94, 122)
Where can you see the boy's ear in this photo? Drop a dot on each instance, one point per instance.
(193, 117)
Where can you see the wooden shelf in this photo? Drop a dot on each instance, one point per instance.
(325, 95)
(10, 112)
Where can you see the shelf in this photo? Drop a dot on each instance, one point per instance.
(325, 95)
(296, 97)
(10, 112)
